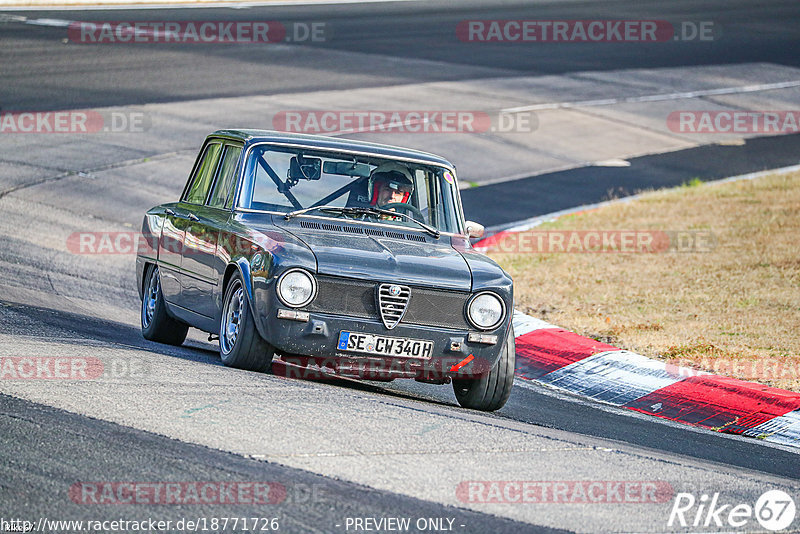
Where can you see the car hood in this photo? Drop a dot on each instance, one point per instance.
(398, 259)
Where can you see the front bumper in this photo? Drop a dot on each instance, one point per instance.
(453, 355)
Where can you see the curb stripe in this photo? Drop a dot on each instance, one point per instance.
(524, 324)
(784, 429)
(617, 377)
(599, 371)
(547, 350)
(720, 402)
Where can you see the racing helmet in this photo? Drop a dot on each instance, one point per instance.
(396, 175)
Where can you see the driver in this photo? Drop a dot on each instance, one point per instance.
(390, 183)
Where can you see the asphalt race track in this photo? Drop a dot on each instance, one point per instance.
(339, 450)
(405, 30)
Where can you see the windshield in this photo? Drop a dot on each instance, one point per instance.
(286, 180)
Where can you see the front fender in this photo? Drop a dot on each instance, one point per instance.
(487, 275)
(261, 255)
(246, 272)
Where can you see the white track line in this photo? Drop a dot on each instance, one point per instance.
(183, 4)
(656, 97)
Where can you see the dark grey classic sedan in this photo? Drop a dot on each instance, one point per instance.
(350, 258)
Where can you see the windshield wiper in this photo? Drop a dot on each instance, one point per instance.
(431, 230)
(295, 213)
(355, 210)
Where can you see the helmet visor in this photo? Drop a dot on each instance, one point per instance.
(396, 181)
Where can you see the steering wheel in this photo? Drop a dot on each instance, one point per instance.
(415, 212)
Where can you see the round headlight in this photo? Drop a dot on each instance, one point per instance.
(485, 310)
(296, 288)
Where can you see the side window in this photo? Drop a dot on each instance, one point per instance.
(222, 195)
(205, 174)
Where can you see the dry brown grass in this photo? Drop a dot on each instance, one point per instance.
(734, 310)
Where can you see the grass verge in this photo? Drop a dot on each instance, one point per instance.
(717, 289)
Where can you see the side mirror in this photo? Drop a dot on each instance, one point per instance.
(474, 229)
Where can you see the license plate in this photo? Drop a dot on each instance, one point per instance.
(400, 347)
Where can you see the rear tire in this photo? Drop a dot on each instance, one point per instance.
(157, 325)
(240, 344)
(490, 391)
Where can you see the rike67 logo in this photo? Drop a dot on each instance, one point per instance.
(774, 510)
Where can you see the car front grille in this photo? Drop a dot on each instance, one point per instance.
(356, 298)
(393, 307)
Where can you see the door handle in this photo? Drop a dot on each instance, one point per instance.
(172, 213)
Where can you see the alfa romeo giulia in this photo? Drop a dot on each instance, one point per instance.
(349, 257)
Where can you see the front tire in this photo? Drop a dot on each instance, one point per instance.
(240, 344)
(157, 325)
(490, 391)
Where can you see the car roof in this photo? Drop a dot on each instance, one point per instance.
(249, 137)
